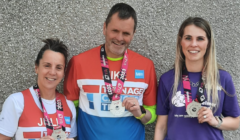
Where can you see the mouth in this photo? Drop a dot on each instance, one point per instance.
(118, 43)
(194, 51)
(50, 79)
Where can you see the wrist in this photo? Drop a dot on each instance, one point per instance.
(143, 113)
(219, 122)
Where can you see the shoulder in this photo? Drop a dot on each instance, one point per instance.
(88, 53)
(168, 75)
(224, 75)
(85, 57)
(70, 104)
(167, 79)
(71, 107)
(138, 57)
(16, 98)
(14, 102)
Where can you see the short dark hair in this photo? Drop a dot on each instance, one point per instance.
(54, 45)
(124, 11)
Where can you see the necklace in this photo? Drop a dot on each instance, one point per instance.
(194, 84)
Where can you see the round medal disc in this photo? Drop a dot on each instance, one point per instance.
(116, 108)
(193, 108)
(59, 134)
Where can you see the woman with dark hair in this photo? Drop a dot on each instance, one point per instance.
(40, 112)
(193, 97)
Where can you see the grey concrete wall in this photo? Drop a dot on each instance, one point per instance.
(79, 24)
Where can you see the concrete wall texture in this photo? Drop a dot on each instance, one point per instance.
(79, 24)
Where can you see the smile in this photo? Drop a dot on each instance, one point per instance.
(117, 43)
(50, 79)
(193, 51)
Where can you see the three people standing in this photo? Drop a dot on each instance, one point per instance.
(116, 88)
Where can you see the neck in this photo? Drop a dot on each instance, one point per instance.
(194, 66)
(113, 55)
(47, 94)
(114, 59)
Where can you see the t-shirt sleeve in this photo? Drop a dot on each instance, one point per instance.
(162, 98)
(71, 89)
(11, 112)
(149, 97)
(73, 132)
(230, 103)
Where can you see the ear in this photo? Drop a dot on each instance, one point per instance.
(104, 29)
(36, 69)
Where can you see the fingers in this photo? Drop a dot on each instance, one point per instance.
(47, 138)
(205, 115)
(130, 103)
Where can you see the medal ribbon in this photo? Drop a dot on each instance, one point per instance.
(59, 110)
(187, 88)
(107, 78)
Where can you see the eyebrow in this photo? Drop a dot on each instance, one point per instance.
(191, 36)
(50, 63)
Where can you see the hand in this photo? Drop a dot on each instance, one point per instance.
(132, 105)
(205, 115)
(47, 138)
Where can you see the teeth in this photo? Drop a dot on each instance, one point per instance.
(50, 79)
(117, 43)
(193, 51)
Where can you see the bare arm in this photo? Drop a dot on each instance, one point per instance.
(161, 127)
(228, 123)
(3, 137)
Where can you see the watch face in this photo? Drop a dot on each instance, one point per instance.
(143, 110)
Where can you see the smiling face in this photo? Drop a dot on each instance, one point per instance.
(118, 35)
(194, 44)
(50, 70)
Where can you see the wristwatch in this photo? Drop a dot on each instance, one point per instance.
(219, 119)
(143, 113)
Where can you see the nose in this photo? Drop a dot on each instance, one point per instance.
(52, 71)
(194, 43)
(119, 37)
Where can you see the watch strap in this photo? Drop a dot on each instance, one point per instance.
(140, 117)
(219, 119)
(143, 113)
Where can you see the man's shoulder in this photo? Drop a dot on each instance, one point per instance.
(138, 57)
(89, 53)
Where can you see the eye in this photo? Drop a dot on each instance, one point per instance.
(47, 65)
(200, 38)
(125, 33)
(59, 67)
(115, 31)
(188, 38)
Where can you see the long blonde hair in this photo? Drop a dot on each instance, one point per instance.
(210, 71)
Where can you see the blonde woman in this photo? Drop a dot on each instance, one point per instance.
(196, 100)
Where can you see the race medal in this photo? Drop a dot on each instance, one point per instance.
(116, 108)
(59, 134)
(193, 108)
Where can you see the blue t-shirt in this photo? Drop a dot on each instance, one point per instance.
(180, 125)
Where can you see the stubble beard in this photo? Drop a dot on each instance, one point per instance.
(116, 51)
